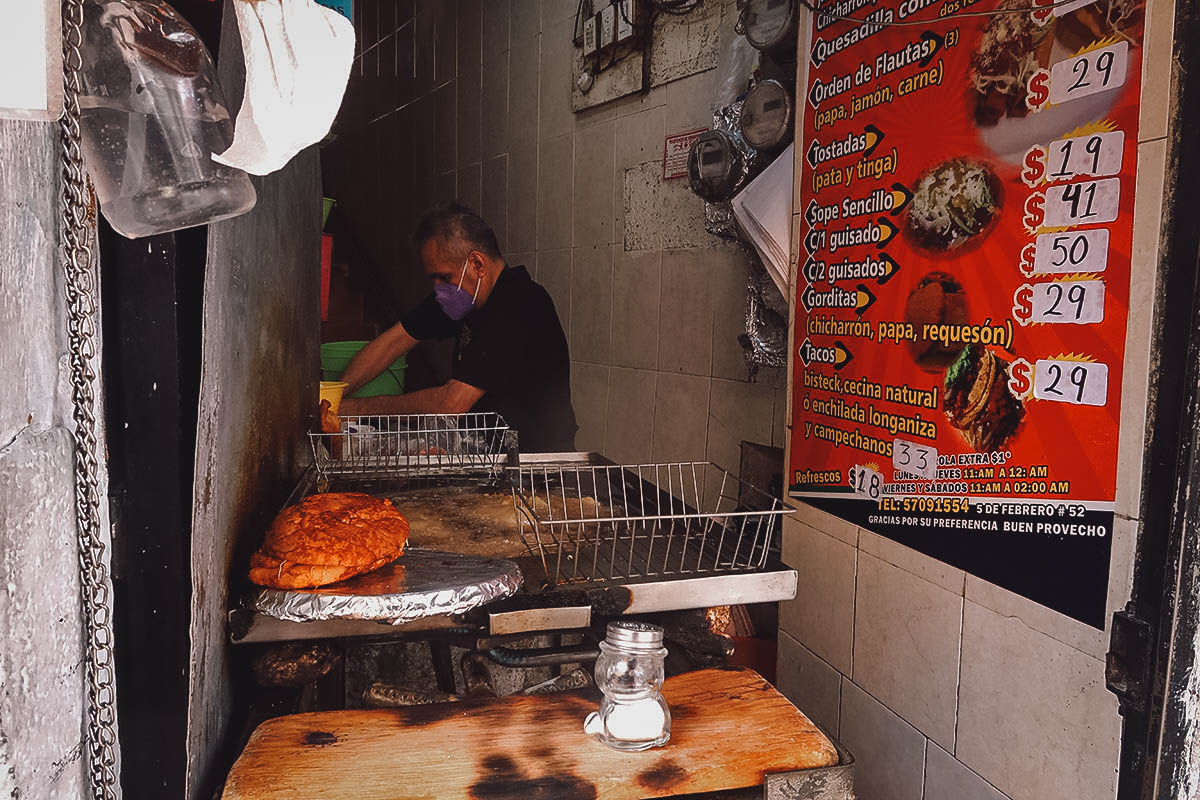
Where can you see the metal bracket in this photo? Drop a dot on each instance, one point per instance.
(116, 526)
(1127, 663)
(539, 619)
(823, 783)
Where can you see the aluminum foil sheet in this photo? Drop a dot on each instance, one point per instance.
(766, 320)
(419, 584)
(719, 220)
(718, 217)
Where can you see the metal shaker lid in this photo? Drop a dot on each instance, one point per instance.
(640, 635)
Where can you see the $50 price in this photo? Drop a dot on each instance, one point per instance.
(1071, 251)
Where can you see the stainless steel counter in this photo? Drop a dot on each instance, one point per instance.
(544, 604)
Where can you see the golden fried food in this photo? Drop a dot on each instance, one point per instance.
(327, 538)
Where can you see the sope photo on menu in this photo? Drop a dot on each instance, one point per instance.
(963, 281)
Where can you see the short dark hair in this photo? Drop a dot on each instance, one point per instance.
(447, 222)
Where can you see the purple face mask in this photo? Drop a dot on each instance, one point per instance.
(455, 300)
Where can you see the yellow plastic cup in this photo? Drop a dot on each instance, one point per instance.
(332, 391)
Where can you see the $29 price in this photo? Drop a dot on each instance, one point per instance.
(1073, 302)
(1083, 383)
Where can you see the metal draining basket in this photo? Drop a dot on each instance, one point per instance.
(596, 523)
(408, 444)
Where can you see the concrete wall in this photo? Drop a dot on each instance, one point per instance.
(258, 398)
(471, 100)
(41, 643)
(947, 687)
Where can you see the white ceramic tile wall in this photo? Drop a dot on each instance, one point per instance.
(651, 330)
(630, 430)
(1034, 715)
(822, 615)
(810, 683)
(737, 410)
(1010, 700)
(591, 303)
(947, 779)
(889, 753)
(906, 637)
(635, 322)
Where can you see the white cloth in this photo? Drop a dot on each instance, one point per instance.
(764, 211)
(298, 57)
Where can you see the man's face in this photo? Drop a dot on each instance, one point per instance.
(442, 266)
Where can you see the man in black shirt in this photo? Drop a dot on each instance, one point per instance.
(510, 355)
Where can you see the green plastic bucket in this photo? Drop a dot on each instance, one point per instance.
(335, 356)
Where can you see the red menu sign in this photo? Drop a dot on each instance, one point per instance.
(963, 282)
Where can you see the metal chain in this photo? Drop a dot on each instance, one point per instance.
(78, 219)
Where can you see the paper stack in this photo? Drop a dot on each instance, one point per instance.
(764, 211)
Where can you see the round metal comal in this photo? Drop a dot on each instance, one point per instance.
(771, 24)
(766, 119)
(714, 165)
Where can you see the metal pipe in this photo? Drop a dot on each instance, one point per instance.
(542, 656)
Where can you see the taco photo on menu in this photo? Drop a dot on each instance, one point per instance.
(1016, 44)
(1012, 48)
(978, 401)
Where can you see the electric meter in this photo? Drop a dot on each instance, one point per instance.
(714, 165)
(766, 120)
(771, 24)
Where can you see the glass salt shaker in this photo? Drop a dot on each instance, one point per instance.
(633, 714)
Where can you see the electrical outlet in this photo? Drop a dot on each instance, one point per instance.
(590, 44)
(626, 17)
(608, 26)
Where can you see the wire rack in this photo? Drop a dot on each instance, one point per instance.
(414, 444)
(597, 523)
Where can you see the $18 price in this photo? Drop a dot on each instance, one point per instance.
(866, 482)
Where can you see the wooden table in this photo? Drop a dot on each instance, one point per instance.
(730, 729)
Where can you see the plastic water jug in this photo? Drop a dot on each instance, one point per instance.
(152, 115)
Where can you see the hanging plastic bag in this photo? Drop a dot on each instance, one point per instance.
(298, 56)
(152, 115)
(735, 67)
